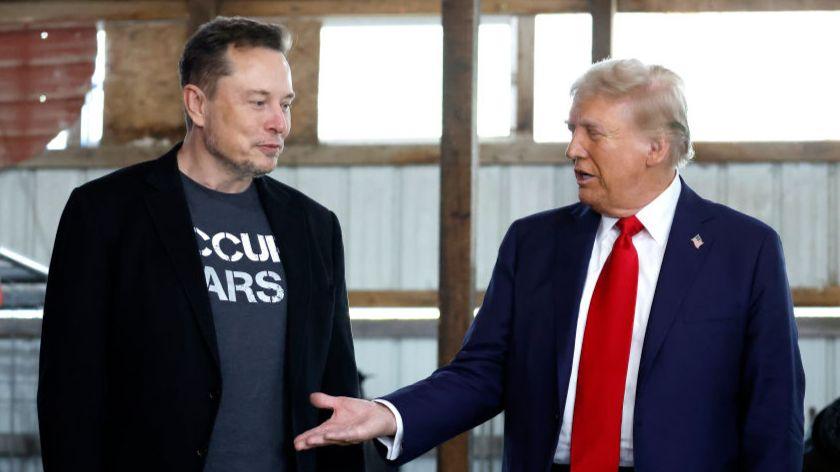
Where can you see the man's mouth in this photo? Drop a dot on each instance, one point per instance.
(583, 177)
(270, 149)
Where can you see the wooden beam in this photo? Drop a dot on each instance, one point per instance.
(826, 296)
(458, 175)
(525, 76)
(400, 298)
(30, 328)
(802, 296)
(804, 151)
(691, 6)
(390, 7)
(92, 10)
(304, 59)
(393, 298)
(142, 92)
(603, 12)
(505, 152)
(200, 12)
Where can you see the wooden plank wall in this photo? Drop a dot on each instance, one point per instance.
(389, 214)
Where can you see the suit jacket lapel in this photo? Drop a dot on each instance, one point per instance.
(680, 265)
(575, 237)
(290, 228)
(167, 205)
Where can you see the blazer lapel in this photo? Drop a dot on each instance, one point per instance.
(290, 228)
(167, 205)
(680, 265)
(575, 236)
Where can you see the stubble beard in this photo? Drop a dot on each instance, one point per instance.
(245, 169)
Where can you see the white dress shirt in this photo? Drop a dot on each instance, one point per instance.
(656, 217)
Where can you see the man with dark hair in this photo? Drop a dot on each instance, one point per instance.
(194, 303)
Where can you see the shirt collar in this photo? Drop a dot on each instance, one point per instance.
(656, 216)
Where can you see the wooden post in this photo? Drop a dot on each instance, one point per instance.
(304, 58)
(525, 76)
(603, 12)
(458, 171)
(200, 12)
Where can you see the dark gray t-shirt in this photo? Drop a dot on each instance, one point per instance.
(247, 289)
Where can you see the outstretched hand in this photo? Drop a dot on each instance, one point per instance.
(353, 421)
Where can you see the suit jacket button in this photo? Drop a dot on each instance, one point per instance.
(201, 452)
(212, 396)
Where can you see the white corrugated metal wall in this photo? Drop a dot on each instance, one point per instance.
(389, 217)
(390, 214)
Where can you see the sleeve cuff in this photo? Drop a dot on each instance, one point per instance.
(394, 445)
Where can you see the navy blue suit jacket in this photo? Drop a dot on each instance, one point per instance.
(720, 385)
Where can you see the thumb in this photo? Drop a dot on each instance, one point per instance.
(322, 400)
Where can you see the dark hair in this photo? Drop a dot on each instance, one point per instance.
(203, 60)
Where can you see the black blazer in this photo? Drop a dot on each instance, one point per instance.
(129, 369)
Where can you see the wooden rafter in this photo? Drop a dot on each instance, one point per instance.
(507, 152)
(35, 10)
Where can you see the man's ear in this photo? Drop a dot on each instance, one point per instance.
(195, 103)
(659, 150)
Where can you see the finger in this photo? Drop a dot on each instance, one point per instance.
(322, 400)
(344, 436)
(307, 441)
(303, 438)
(313, 439)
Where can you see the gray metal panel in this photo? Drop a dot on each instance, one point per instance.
(814, 352)
(425, 463)
(531, 190)
(705, 179)
(287, 175)
(394, 363)
(52, 189)
(95, 173)
(390, 214)
(491, 221)
(379, 360)
(17, 202)
(753, 189)
(418, 359)
(565, 186)
(373, 255)
(329, 186)
(834, 368)
(419, 230)
(804, 223)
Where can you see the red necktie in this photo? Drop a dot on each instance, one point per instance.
(602, 370)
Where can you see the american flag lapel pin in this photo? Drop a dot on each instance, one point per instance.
(697, 241)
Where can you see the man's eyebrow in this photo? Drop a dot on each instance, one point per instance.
(266, 93)
(585, 123)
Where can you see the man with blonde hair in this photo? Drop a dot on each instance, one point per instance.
(643, 328)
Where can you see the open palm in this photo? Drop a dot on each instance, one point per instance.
(353, 421)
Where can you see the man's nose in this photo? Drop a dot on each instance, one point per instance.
(574, 150)
(278, 122)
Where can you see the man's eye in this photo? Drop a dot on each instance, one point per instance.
(287, 106)
(258, 103)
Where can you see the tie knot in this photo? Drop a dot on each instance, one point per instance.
(629, 226)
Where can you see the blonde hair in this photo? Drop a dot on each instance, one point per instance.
(655, 93)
